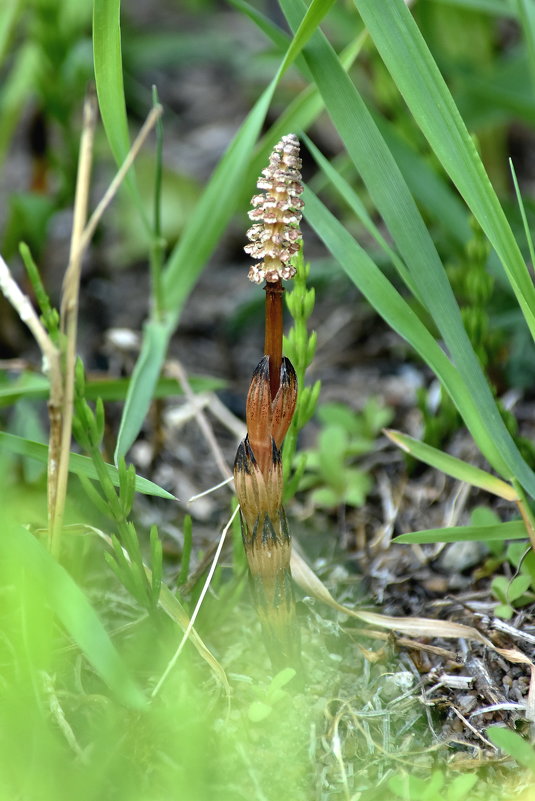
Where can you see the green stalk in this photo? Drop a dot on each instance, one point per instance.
(158, 244)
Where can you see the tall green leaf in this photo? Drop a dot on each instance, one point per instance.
(71, 607)
(108, 68)
(513, 530)
(142, 385)
(418, 78)
(80, 465)
(389, 191)
(399, 315)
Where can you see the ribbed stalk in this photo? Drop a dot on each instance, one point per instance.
(275, 238)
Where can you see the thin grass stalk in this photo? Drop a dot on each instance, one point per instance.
(61, 426)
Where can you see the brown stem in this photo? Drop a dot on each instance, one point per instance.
(273, 334)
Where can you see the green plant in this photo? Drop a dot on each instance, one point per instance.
(412, 788)
(274, 694)
(344, 437)
(513, 744)
(81, 678)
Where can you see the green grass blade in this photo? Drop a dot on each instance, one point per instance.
(16, 87)
(417, 77)
(80, 465)
(263, 23)
(398, 314)
(108, 68)
(36, 387)
(452, 466)
(526, 17)
(523, 215)
(390, 194)
(8, 21)
(514, 530)
(357, 206)
(77, 616)
(141, 389)
(497, 8)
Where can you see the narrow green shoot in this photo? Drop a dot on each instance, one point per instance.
(158, 245)
(300, 347)
(521, 207)
(49, 315)
(453, 466)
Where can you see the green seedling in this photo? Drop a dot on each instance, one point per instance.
(511, 593)
(271, 696)
(413, 788)
(345, 436)
(300, 346)
(518, 591)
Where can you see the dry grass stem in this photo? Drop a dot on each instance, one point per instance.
(61, 413)
(305, 577)
(152, 118)
(174, 369)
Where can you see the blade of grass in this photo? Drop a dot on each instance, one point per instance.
(514, 530)
(452, 466)
(17, 86)
(8, 20)
(141, 388)
(357, 206)
(80, 465)
(398, 314)
(417, 77)
(74, 611)
(394, 201)
(108, 68)
(37, 387)
(526, 17)
(494, 7)
(523, 215)
(430, 190)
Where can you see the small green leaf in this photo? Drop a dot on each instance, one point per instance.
(281, 679)
(259, 711)
(141, 387)
(326, 497)
(460, 786)
(499, 588)
(358, 486)
(514, 745)
(518, 586)
(504, 611)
